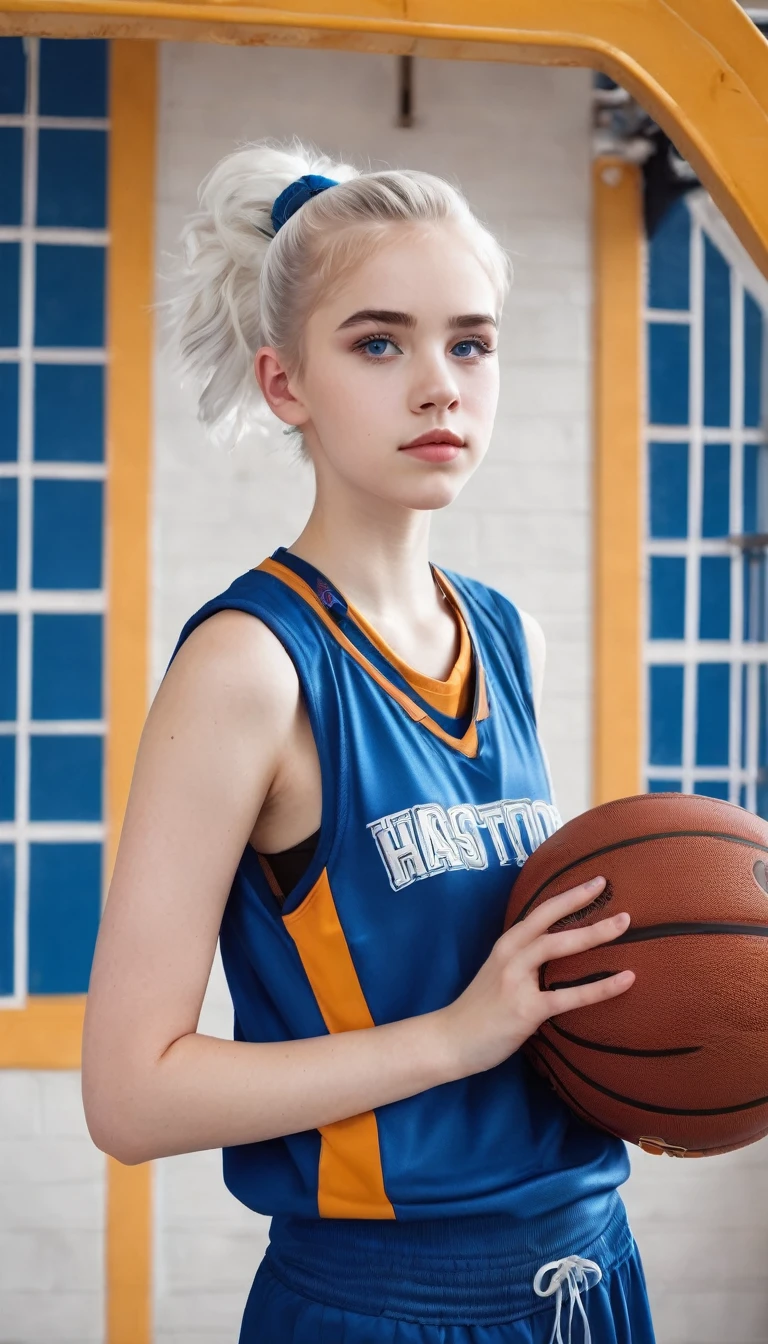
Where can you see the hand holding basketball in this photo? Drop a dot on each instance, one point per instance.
(504, 1005)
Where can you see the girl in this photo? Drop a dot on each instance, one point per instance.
(339, 777)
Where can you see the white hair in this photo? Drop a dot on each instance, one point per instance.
(238, 285)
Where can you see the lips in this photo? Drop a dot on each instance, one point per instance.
(435, 436)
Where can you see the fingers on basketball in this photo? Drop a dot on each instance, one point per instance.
(568, 942)
(554, 908)
(581, 996)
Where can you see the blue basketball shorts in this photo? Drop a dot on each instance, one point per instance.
(571, 1277)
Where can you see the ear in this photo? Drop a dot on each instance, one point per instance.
(274, 381)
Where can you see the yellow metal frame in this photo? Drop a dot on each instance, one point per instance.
(133, 112)
(617, 328)
(700, 67)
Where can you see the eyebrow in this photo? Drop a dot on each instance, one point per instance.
(395, 319)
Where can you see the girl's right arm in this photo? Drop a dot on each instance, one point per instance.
(153, 1086)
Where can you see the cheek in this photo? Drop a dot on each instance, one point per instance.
(482, 391)
(349, 391)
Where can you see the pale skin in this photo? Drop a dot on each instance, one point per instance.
(227, 756)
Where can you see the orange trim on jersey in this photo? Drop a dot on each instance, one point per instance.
(483, 708)
(451, 696)
(467, 744)
(274, 885)
(350, 1179)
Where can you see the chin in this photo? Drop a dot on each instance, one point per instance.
(436, 493)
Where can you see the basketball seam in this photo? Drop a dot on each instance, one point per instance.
(619, 1049)
(626, 844)
(646, 1105)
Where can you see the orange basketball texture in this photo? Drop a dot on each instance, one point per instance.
(678, 1063)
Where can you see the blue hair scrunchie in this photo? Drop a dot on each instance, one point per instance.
(297, 194)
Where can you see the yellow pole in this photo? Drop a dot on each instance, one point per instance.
(129, 440)
(617, 354)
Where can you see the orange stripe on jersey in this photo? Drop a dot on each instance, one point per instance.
(350, 1178)
(467, 744)
(350, 1183)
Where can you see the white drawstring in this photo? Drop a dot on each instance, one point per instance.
(573, 1270)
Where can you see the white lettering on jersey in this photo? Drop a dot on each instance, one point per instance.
(436, 838)
(428, 839)
(514, 814)
(548, 817)
(465, 822)
(492, 816)
(398, 847)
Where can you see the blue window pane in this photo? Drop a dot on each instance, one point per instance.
(65, 778)
(9, 295)
(11, 157)
(73, 78)
(64, 912)
(9, 411)
(749, 502)
(714, 685)
(668, 360)
(712, 788)
(716, 503)
(669, 260)
(668, 483)
(753, 361)
(13, 75)
(715, 597)
(8, 532)
(7, 884)
(665, 786)
(717, 337)
(7, 777)
(762, 801)
(69, 296)
(72, 179)
(666, 715)
(69, 413)
(66, 667)
(67, 534)
(7, 667)
(743, 796)
(667, 597)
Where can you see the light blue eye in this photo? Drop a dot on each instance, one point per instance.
(377, 340)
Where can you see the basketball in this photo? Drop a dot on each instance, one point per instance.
(679, 1063)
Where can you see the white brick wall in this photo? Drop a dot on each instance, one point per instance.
(702, 1228)
(52, 1213)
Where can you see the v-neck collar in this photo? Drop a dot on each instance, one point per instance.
(331, 607)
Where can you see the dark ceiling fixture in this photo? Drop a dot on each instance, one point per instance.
(623, 127)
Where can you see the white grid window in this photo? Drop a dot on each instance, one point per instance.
(705, 483)
(53, 241)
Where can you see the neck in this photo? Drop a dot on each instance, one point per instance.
(381, 565)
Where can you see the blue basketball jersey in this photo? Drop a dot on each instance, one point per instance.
(426, 821)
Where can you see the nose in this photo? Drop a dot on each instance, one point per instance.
(435, 384)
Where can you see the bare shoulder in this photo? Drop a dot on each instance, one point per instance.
(537, 653)
(233, 660)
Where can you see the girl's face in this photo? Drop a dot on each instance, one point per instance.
(407, 345)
